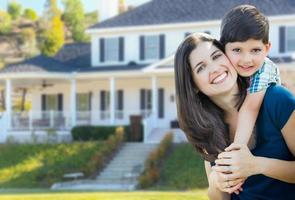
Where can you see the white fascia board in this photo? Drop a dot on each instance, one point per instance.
(34, 75)
(96, 75)
(104, 31)
(154, 66)
(282, 18)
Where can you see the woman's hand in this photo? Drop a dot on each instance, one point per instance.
(237, 161)
(220, 181)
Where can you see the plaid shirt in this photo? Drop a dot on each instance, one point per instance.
(267, 74)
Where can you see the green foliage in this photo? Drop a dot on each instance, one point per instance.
(152, 165)
(14, 9)
(40, 165)
(51, 10)
(183, 169)
(85, 133)
(53, 38)
(30, 14)
(5, 22)
(74, 19)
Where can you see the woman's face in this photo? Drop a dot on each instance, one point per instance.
(213, 73)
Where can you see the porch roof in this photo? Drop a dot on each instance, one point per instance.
(157, 12)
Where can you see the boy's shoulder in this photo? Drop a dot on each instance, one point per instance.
(269, 63)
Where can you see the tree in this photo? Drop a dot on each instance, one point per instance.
(74, 19)
(51, 10)
(14, 9)
(30, 14)
(5, 22)
(53, 38)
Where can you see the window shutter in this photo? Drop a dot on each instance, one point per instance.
(141, 48)
(121, 49)
(161, 103)
(149, 98)
(162, 46)
(142, 99)
(101, 50)
(43, 102)
(102, 100)
(60, 102)
(90, 100)
(120, 100)
(282, 39)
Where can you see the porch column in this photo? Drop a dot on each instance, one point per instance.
(112, 100)
(8, 103)
(73, 102)
(155, 99)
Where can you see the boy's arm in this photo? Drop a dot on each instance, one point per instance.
(247, 117)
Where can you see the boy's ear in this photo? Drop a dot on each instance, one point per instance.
(268, 46)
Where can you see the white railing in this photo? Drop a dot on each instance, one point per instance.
(3, 127)
(62, 119)
(148, 126)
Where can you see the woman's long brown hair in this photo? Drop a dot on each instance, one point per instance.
(200, 119)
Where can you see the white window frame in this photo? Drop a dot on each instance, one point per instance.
(112, 50)
(152, 47)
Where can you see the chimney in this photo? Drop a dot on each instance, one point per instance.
(107, 9)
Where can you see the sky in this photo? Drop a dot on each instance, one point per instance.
(37, 5)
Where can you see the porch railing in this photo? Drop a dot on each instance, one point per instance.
(62, 119)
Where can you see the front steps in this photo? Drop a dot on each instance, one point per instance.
(120, 174)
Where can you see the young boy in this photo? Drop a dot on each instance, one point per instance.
(244, 33)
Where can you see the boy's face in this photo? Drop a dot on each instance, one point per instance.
(247, 57)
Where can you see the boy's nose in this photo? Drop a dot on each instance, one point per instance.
(246, 59)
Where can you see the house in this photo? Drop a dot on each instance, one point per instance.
(127, 69)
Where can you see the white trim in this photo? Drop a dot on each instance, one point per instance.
(104, 31)
(73, 102)
(8, 102)
(35, 75)
(112, 99)
(157, 64)
(155, 99)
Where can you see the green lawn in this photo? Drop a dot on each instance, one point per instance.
(192, 195)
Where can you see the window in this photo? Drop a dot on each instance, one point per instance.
(51, 102)
(83, 102)
(290, 38)
(112, 49)
(151, 48)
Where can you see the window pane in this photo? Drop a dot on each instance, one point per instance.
(83, 102)
(290, 38)
(51, 102)
(151, 47)
(112, 49)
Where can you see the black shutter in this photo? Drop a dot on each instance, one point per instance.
(149, 98)
(141, 48)
(161, 103)
(90, 100)
(121, 49)
(101, 50)
(142, 99)
(60, 102)
(162, 46)
(120, 100)
(282, 39)
(102, 100)
(43, 102)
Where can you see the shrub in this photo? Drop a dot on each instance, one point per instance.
(86, 133)
(151, 173)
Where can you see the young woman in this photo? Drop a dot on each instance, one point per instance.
(209, 94)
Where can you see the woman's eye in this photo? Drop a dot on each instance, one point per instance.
(216, 56)
(200, 68)
(237, 50)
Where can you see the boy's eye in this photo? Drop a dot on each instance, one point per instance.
(236, 50)
(256, 50)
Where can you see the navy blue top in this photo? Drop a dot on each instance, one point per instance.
(277, 106)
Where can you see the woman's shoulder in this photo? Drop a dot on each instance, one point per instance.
(277, 92)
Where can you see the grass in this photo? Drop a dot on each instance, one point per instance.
(182, 170)
(192, 195)
(40, 165)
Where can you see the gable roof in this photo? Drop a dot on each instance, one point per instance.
(158, 12)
